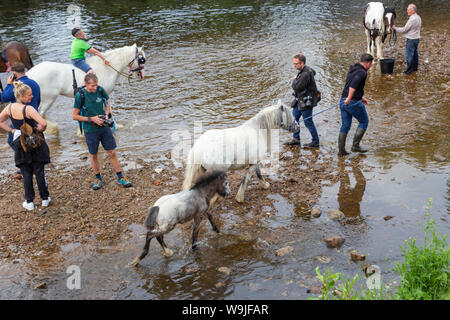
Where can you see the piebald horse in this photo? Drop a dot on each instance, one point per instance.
(241, 147)
(56, 78)
(378, 21)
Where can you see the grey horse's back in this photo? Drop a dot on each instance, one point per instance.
(150, 222)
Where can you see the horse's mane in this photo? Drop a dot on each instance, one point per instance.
(267, 118)
(119, 53)
(205, 180)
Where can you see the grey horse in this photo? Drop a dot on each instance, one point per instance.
(172, 209)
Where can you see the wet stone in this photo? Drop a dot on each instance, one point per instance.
(334, 214)
(315, 212)
(387, 218)
(283, 251)
(334, 241)
(356, 256)
(224, 270)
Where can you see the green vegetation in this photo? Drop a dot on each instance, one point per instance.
(424, 273)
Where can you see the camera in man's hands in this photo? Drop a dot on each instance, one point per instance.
(106, 121)
(307, 101)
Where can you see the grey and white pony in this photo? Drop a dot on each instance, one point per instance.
(172, 209)
(378, 21)
(56, 79)
(241, 147)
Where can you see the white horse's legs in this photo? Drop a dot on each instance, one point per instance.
(240, 194)
(263, 183)
(52, 126)
(368, 41)
(379, 44)
(167, 251)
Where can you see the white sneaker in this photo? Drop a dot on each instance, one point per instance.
(45, 203)
(28, 205)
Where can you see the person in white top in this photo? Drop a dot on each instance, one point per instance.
(411, 31)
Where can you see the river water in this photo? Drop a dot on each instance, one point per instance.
(220, 63)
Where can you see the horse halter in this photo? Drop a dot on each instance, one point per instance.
(293, 127)
(139, 57)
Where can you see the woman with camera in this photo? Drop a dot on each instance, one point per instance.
(305, 92)
(32, 159)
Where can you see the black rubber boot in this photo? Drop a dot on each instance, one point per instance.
(357, 139)
(293, 142)
(341, 144)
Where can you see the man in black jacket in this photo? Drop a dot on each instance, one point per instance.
(352, 104)
(306, 97)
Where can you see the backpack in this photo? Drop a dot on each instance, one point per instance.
(30, 137)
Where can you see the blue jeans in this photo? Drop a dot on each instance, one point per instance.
(412, 55)
(81, 64)
(354, 109)
(308, 123)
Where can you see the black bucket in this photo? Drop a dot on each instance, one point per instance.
(387, 65)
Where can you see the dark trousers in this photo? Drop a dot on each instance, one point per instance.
(355, 109)
(27, 170)
(412, 55)
(308, 123)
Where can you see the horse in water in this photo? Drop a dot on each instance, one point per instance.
(378, 21)
(56, 79)
(172, 209)
(240, 147)
(13, 53)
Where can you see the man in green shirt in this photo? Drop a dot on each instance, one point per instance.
(89, 112)
(79, 49)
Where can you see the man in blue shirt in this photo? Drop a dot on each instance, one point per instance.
(18, 71)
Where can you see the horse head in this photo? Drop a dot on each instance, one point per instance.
(223, 188)
(137, 64)
(287, 120)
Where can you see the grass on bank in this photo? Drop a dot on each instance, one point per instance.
(424, 273)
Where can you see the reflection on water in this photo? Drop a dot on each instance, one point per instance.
(221, 62)
(349, 198)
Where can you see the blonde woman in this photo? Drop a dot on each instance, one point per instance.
(31, 162)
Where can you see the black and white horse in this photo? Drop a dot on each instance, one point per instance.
(378, 21)
(172, 209)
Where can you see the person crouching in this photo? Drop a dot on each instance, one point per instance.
(90, 112)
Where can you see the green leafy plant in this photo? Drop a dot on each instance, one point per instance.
(425, 270)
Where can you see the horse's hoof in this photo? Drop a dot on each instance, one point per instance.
(265, 185)
(168, 253)
(239, 198)
(194, 247)
(135, 262)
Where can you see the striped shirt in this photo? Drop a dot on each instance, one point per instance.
(412, 27)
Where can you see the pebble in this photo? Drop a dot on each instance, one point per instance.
(224, 270)
(315, 212)
(334, 241)
(41, 285)
(356, 256)
(440, 158)
(281, 252)
(334, 214)
(387, 218)
(323, 259)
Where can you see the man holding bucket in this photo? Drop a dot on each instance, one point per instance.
(412, 34)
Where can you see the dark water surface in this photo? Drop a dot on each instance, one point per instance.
(220, 63)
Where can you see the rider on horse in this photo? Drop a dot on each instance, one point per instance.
(79, 49)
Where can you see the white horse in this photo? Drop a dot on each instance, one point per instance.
(240, 147)
(56, 79)
(378, 21)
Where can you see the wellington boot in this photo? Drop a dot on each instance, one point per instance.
(357, 139)
(341, 144)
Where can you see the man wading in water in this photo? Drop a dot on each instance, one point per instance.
(95, 128)
(352, 104)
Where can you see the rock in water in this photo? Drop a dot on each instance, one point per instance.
(334, 241)
(281, 252)
(315, 212)
(356, 256)
(335, 214)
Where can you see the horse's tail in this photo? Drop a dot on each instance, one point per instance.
(193, 171)
(150, 222)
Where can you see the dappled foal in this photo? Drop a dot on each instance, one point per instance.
(170, 210)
